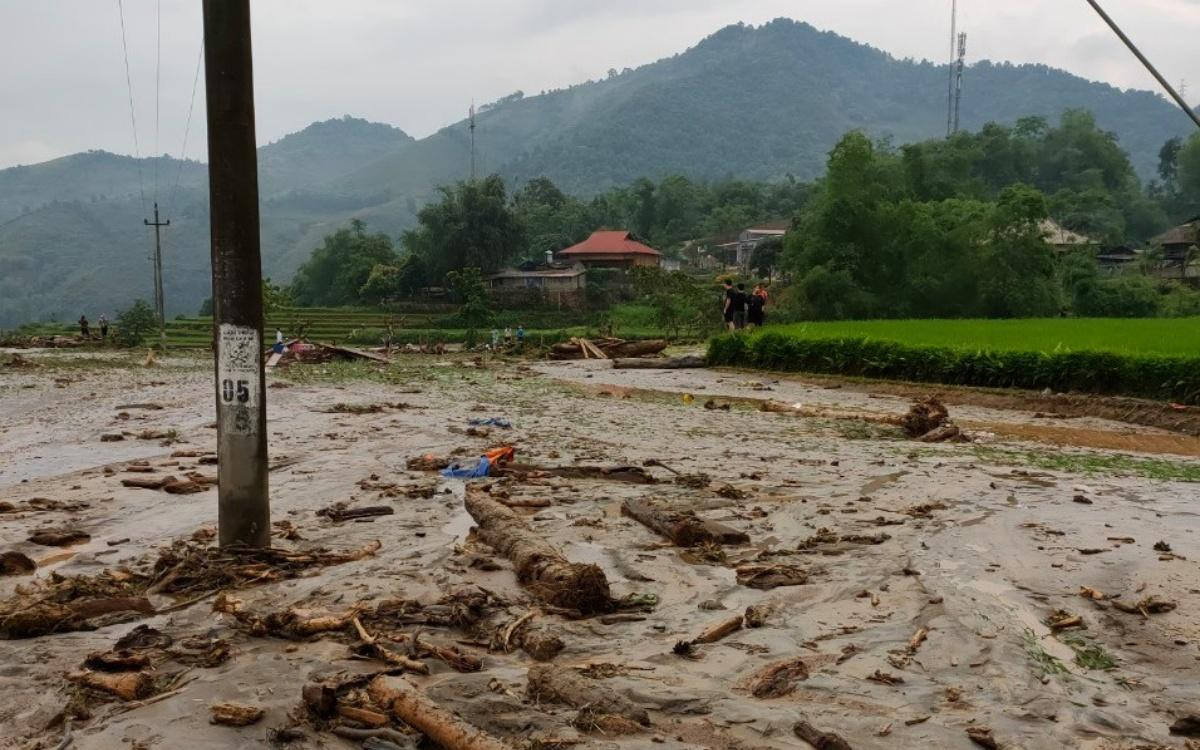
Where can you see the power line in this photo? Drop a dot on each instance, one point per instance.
(188, 125)
(1149, 66)
(157, 90)
(137, 152)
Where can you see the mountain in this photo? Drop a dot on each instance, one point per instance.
(751, 102)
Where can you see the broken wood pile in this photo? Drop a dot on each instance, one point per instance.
(539, 565)
(65, 603)
(927, 420)
(606, 348)
(316, 352)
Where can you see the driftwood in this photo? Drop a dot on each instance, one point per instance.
(631, 474)
(117, 661)
(763, 576)
(683, 527)
(408, 704)
(669, 363)
(779, 679)
(538, 564)
(127, 686)
(233, 715)
(16, 564)
(339, 512)
(610, 348)
(41, 618)
(293, 624)
(58, 537)
(818, 739)
(596, 701)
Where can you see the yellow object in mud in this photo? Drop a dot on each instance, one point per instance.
(688, 398)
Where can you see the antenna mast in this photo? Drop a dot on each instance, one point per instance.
(471, 127)
(958, 76)
(950, 85)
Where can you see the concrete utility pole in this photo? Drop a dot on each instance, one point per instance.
(243, 510)
(159, 301)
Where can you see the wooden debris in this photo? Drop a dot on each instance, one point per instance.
(1187, 726)
(982, 736)
(682, 527)
(631, 474)
(294, 624)
(234, 715)
(668, 363)
(763, 576)
(338, 512)
(1151, 605)
(594, 700)
(117, 661)
(127, 686)
(16, 564)
(59, 537)
(408, 704)
(779, 679)
(366, 717)
(539, 565)
(818, 739)
(607, 348)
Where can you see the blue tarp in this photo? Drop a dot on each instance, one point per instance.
(500, 422)
(458, 470)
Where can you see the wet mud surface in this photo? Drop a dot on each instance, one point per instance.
(932, 573)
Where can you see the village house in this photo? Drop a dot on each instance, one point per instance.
(736, 250)
(1180, 254)
(611, 249)
(1063, 239)
(557, 283)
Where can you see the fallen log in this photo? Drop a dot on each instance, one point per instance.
(339, 512)
(779, 679)
(818, 739)
(684, 528)
(595, 700)
(609, 348)
(59, 537)
(631, 474)
(539, 565)
(668, 363)
(407, 703)
(16, 564)
(759, 576)
(541, 643)
(117, 661)
(127, 686)
(233, 715)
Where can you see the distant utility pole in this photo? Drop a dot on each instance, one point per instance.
(958, 75)
(950, 85)
(159, 302)
(243, 507)
(471, 127)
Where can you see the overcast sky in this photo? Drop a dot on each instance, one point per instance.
(418, 63)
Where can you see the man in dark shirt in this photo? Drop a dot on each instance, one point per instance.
(729, 306)
(739, 308)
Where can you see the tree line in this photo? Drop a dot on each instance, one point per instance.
(942, 228)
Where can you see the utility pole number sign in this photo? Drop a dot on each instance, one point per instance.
(239, 373)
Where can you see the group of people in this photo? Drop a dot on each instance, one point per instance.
(85, 329)
(508, 337)
(742, 309)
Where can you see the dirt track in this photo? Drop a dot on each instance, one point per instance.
(999, 545)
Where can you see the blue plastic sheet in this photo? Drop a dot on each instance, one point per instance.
(476, 470)
(500, 422)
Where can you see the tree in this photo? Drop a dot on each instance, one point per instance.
(469, 288)
(1168, 160)
(387, 282)
(472, 226)
(766, 256)
(275, 297)
(134, 323)
(336, 272)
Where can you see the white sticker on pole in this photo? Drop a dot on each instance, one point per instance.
(239, 375)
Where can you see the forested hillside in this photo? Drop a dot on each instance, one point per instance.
(746, 103)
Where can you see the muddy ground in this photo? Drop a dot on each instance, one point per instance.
(929, 622)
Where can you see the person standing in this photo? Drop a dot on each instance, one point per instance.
(739, 307)
(495, 339)
(278, 341)
(754, 306)
(521, 335)
(508, 335)
(83, 327)
(103, 321)
(728, 309)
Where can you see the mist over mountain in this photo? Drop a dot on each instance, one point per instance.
(750, 102)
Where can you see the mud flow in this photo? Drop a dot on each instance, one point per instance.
(682, 558)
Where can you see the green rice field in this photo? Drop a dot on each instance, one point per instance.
(1167, 336)
(1155, 358)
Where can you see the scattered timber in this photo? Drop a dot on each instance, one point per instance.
(539, 565)
(607, 348)
(446, 730)
(683, 527)
(596, 701)
(689, 362)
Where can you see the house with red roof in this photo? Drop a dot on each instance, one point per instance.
(608, 248)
